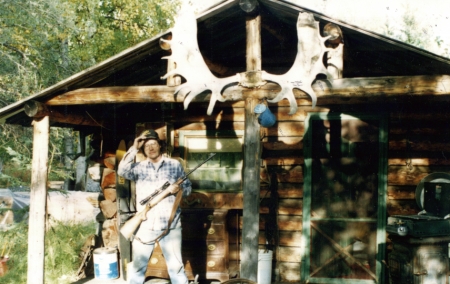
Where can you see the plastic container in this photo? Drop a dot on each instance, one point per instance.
(265, 266)
(105, 264)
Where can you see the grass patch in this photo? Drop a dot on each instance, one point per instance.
(63, 244)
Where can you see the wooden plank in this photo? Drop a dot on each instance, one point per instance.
(343, 91)
(38, 200)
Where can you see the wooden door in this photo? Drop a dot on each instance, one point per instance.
(344, 209)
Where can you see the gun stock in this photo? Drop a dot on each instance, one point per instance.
(131, 225)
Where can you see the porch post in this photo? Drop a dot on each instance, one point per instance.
(252, 160)
(38, 201)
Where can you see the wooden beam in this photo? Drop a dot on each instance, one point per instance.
(342, 91)
(252, 160)
(38, 201)
(250, 185)
(35, 109)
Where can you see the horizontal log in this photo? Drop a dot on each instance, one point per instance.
(401, 192)
(403, 175)
(431, 146)
(285, 223)
(444, 161)
(283, 161)
(343, 91)
(36, 109)
(284, 190)
(282, 143)
(402, 207)
(285, 206)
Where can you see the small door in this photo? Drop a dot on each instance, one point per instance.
(344, 199)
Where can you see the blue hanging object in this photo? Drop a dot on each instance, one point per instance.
(259, 108)
(266, 118)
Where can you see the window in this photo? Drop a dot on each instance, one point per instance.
(223, 171)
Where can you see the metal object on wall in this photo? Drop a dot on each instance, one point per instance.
(421, 242)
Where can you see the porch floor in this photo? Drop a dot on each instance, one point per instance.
(92, 280)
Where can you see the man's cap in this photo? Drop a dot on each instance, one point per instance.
(150, 134)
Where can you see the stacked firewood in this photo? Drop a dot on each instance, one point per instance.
(108, 206)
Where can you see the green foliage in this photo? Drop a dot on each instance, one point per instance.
(104, 28)
(63, 244)
(31, 47)
(410, 31)
(16, 144)
(45, 41)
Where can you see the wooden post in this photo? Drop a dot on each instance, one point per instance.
(252, 160)
(253, 46)
(38, 201)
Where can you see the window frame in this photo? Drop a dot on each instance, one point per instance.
(184, 135)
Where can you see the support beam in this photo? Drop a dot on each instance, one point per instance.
(343, 91)
(252, 160)
(36, 109)
(38, 201)
(250, 185)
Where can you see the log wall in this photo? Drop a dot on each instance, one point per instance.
(418, 146)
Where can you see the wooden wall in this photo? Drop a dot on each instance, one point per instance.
(418, 146)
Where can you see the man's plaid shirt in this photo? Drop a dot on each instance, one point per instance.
(148, 179)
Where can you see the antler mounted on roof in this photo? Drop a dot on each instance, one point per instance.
(307, 65)
(191, 65)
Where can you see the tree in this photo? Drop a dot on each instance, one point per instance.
(45, 41)
(104, 28)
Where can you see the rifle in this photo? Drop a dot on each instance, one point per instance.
(150, 201)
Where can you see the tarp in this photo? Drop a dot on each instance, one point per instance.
(70, 206)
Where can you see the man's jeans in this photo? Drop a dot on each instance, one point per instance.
(171, 248)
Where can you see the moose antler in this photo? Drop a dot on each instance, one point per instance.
(307, 65)
(190, 63)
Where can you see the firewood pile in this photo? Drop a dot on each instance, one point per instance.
(108, 205)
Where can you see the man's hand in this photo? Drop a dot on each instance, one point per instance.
(139, 141)
(173, 188)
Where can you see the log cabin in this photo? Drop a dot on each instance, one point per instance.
(377, 106)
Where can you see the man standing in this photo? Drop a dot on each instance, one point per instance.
(150, 175)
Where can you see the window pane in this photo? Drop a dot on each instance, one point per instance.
(223, 171)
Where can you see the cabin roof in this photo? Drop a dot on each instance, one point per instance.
(222, 39)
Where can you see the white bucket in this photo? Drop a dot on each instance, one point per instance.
(105, 264)
(264, 267)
